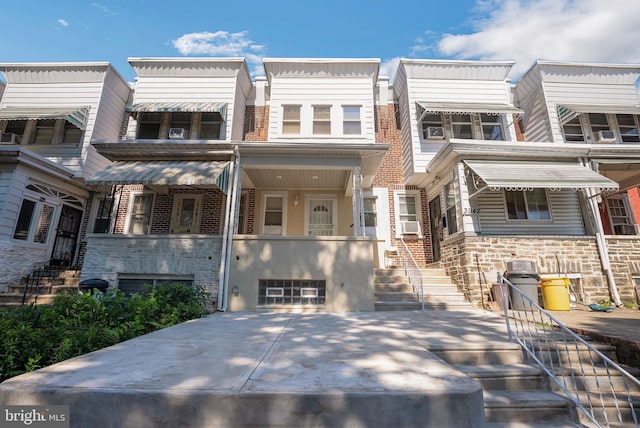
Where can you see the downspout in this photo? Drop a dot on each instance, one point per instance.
(601, 243)
(228, 232)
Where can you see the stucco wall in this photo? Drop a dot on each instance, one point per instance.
(198, 255)
(552, 254)
(18, 261)
(345, 263)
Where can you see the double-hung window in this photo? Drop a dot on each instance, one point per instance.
(274, 214)
(149, 126)
(628, 128)
(431, 126)
(491, 127)
(103, 215)
(140, 217)
(180, 123)
(370, 212)
(351, 122)
(462, 126)
(450, 204)
(210, 126)
(527, 205)
(598, 122)
(291, 119)
(322, 120)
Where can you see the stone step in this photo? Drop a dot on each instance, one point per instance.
(541, 407)
(506, 376)
(11, 299)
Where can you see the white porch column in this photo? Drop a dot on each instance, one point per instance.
(357, 201)
(466, 211)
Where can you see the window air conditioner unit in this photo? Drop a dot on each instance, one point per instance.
(177, 133)
(9, 138)
(435, 133)
(605, 137)
(624, 229)
(410, 228)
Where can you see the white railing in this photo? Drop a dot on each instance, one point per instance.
(604, 393)
(413, 271)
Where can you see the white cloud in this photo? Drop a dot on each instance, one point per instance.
(63, 22)
(389, 67)
(221, 43)
(104, 9)
(563, 30)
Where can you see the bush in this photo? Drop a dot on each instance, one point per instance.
(35, 336)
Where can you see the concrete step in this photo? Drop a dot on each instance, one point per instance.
(395, 296)
(16, 298)
(390, 280)
(532, 425)
(507, 376)
(479, 353)
(590, 378)
(390, 288)
(606, 410)
(541, 407)
(570, 353)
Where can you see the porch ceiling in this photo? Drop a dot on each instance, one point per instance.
(297, 178)
(625, 173)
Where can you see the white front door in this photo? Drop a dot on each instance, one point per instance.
(320, 217)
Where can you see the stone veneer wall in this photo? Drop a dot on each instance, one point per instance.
(624, 256)
(107, 256)
(573, 254)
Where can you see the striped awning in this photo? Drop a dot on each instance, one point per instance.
(566, 112)
(176, 106)
(465, 108)
(74, 115)
(522, 175)
(168, 173)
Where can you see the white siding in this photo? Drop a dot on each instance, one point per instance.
(12, 202)
(334, 91)
(565, 213)
(6, 202)
(585, 93)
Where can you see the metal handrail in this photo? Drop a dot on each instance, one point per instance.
(413, 271)
(601, 390)
(35, 281)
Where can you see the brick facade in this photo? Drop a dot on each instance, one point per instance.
(256, 123)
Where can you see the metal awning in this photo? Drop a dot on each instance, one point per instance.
(74, 115)
(168, 173)
(566, 112)
(522, 175)
(466, 108)
(176, 106)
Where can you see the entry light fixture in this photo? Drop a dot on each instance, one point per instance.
(296, 200)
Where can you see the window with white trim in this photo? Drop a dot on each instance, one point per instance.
(34, 221)
(104, 212)
(322, 120)
(407, 213)
(149, 125)
(491, 125)
(140, 213)
(210, 126)
(572, 130)
(450, 207)
(462, 126)
(274, 218)
(628, 124)
(242, 214)
(291, 119)
(621, 221)
(527, 204)
(351, 122)
(369, 209)
(430, 120)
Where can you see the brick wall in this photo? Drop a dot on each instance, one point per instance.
(472, 262)
(256, 123)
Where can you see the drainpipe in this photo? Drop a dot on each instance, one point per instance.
(601, 243)
(228, 232)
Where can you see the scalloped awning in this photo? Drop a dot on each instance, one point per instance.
(74, 115)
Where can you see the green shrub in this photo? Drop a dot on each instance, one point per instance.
(36, 336)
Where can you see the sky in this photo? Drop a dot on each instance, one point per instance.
(517, 30)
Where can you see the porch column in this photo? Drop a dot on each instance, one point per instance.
(466, 210)
(357, 201)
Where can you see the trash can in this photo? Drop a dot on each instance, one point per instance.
(93, 283)
(524, 277)
(555, 293)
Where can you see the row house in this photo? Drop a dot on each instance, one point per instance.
(286, 192)
(49, 114)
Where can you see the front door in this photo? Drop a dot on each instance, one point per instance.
(64, 246)
(320, 217)
(435, 212)
(186, 214)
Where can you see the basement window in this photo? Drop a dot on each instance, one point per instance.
(138, 283)
(291, 292)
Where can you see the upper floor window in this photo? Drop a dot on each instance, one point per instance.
(370, 212)
(573, 130)
(351, 124)
(598, 122)
(431, 126)
(628, 126)
(180, 123)
(291, 119)
(321, 119)
(491, 127)
(210, 126)
(17, 128)
(149, 125)
(44, 131)
(462, 126)
(527, 205)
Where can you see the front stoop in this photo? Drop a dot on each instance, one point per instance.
(516, 394)
(66, 281)
(393, 291)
